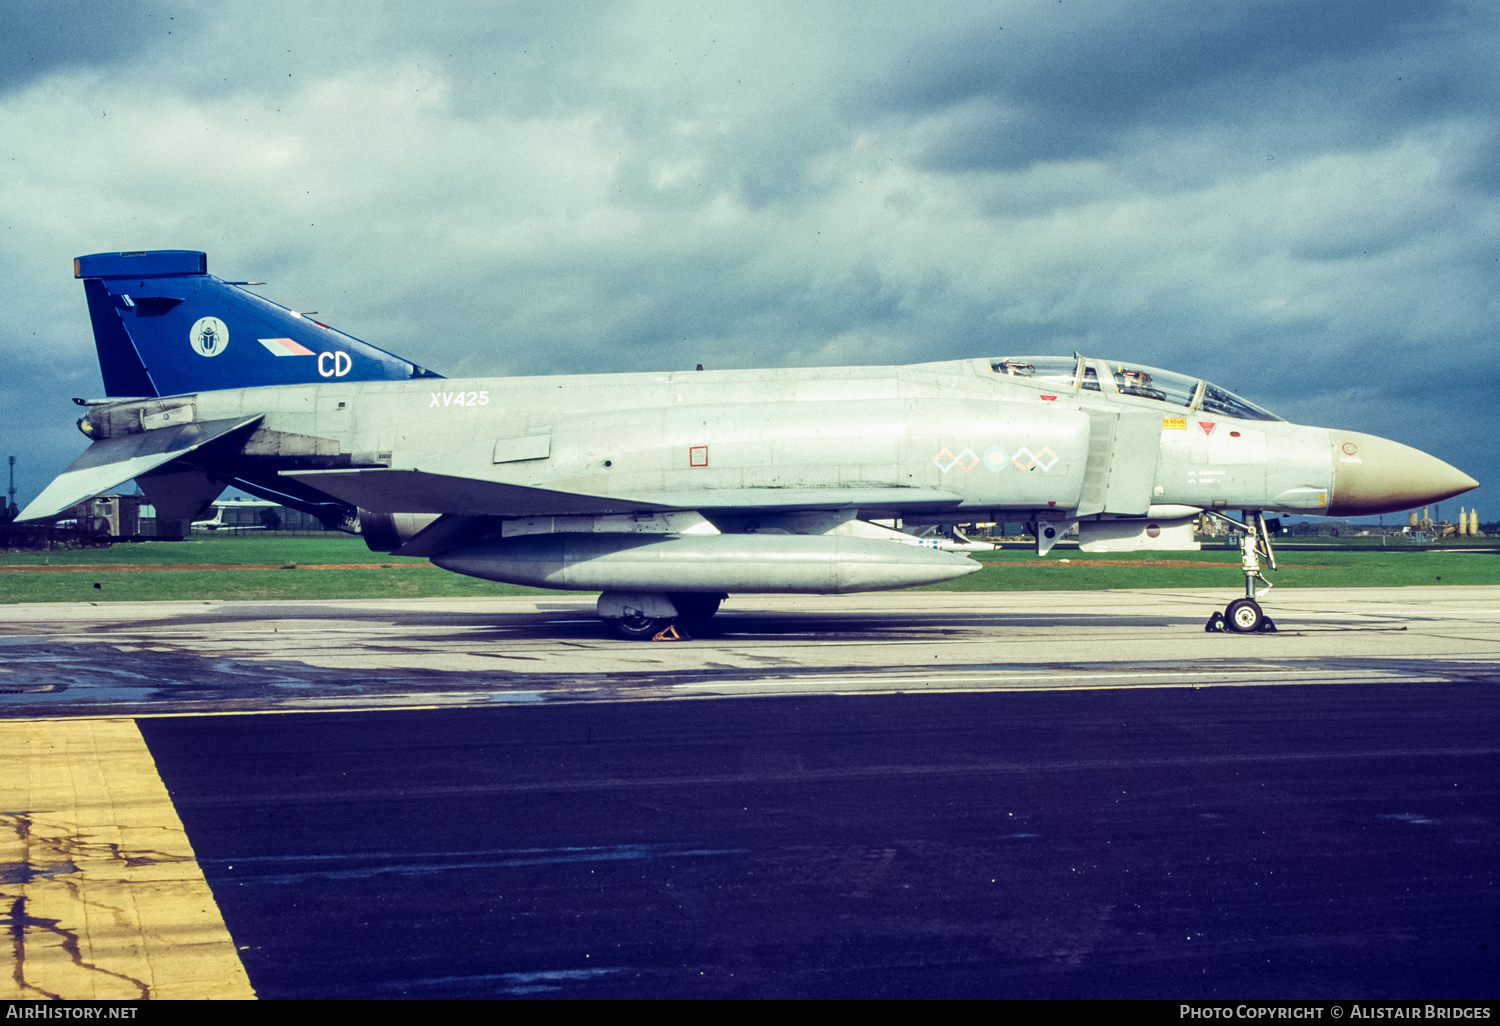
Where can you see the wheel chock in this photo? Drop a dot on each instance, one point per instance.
(1215, 623)
(1267, 626)
(670, 633)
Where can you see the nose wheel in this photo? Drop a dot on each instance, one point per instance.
(1244, 615)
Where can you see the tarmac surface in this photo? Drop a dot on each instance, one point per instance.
(1041, 794)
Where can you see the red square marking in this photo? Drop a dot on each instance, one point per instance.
(698, 456)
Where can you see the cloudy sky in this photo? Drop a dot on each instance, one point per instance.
(1297, 200)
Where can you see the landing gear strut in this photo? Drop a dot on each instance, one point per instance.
(1244, 615)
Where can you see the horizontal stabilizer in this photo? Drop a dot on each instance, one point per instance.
(109, 463)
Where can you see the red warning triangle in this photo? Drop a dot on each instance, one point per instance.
(1207, 426)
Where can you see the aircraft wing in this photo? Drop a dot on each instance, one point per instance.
(417, 491)
(111, 462)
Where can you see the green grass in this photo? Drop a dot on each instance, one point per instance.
(244, 548)
(406, 577)
(1335, 565)
(1300, 568)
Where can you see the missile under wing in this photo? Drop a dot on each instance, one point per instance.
(668, 491)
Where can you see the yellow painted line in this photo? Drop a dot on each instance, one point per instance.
(101, 896)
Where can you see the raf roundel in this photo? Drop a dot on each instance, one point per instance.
(209, 336)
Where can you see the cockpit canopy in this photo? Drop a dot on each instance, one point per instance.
(1132, 380)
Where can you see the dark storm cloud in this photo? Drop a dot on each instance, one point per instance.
(43, 37)
(1055, 82)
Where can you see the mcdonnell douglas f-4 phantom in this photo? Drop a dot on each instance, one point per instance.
(666, 492)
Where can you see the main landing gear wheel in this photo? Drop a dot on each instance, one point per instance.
(1244, 616)
(639, 628)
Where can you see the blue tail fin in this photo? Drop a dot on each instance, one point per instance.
(164, 326)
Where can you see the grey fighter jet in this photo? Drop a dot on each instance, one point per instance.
(666, 492)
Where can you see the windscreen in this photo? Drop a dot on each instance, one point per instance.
(1227, 404)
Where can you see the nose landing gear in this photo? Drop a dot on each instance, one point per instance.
(1244, 615)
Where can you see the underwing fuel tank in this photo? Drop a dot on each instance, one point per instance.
(815, 564)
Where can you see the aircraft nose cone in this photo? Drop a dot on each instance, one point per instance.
(1376, 475)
